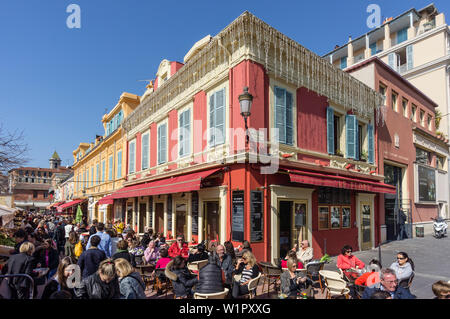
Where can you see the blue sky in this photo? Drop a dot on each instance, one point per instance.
(56, 83)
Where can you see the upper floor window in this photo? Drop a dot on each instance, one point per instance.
(343, 63)
(429, 121)
(413, 113)
(284, 116)
(440, 162)
(422, 117)
(423, 157)
(98, 174)
(394, 100)
(373, 48)
(92, 176)
(162, 143)
(402, 35)
(103, 170)
(405, 107)
(132, 157)
(185, 133)
(383, 90)
(356, 135)
(217, 111)
(145, 140)
(334, 126)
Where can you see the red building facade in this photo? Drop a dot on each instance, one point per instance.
(309, 171)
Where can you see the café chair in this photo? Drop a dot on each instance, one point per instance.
(217, 295)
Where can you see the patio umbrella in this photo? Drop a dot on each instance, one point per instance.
(79, 216)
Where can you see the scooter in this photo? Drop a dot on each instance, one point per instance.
(440, 227)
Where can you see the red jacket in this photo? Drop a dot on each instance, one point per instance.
(174, 250)
(347, 262)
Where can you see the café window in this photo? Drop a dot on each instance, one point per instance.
(334, 208)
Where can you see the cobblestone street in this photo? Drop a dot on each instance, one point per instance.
(430, 256)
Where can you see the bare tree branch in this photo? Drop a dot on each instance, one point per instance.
(13, 151)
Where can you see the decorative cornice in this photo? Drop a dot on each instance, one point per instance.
(248, 37)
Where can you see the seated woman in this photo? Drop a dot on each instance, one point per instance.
(403, 268)
(122, 252)
(164, 258)
(182, 280)
(291, 254)
(135, 249)
(292, 282)
(349, 263)
(151, 254)
(247, 267)
(198, 254)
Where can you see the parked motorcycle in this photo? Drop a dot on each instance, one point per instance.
(440, 227)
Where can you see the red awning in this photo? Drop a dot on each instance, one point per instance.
(107, 200)
(327, 180)
(178, 184)
(69, 204)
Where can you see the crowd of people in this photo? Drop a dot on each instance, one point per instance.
(76, 261)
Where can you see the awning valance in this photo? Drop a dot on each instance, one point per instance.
(62, 207)
(177, 184)
(326, 180)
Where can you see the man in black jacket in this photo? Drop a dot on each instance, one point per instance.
(102, 284)
(90, 259)
(60, 237)
(225, 262)
(210, 278)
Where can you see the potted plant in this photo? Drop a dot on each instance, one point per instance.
(364, 156)
(339, 153)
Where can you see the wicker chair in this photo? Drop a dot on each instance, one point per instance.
(217, 295)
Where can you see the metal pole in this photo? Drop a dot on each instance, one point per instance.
(379, 255)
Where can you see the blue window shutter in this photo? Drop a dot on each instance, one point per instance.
(373, 48)
(110, 170)
(187, 132)
(371, 152)
(357, 146)
(220, 117)
(162, 144)
(402, 35)
(212, 118)
(330, 130)
(92, 176)
(132, 158)
(289, 122)
(145, 151)
(409, 57)
(280, 114)
(98, 173)
(343, 63)
(350, 136)
(181, 135)
(119, 164)
(103, 170)
(107, 128)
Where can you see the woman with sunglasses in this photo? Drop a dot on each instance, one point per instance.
(403, 268)
(349, 263)
(177, 246)
(248, 269)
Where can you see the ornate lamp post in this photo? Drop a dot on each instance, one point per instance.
(245, 101)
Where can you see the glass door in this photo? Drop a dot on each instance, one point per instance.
(180, 220)
(212, 220)
(142, 216)
(299, 223)
(285, 215)
(366, 226)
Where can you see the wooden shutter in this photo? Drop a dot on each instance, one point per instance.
(162, 148)
(110, 168)
(119, 164)
(357, 146)
(187, 132)
(371, 152)
(409, 57)
(289, 120)
(330, 130)
(280, 114)
(220, 117)
(212, 119)
(145, 151)
(351, 136)
(132, 158)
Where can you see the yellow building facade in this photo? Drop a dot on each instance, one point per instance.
(100, 167)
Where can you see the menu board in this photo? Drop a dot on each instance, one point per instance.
(256, 216)
(169, 212)
(194, 213)
(237, 224)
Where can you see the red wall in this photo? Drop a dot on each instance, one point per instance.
(200, 125)
(174, 67)
(311, 120)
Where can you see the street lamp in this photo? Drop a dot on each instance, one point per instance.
(245, 101)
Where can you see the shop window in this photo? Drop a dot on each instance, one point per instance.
(324, 213)
(346, 217)
(335, 221)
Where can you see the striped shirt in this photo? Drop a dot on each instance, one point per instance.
(246, 275)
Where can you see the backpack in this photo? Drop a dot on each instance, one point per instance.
(78, 249)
